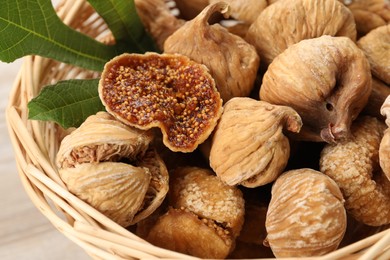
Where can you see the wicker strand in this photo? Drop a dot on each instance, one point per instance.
(356, 247)
(36, 143)
(373, 252)
(126, 242)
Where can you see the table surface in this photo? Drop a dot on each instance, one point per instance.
(24, 232)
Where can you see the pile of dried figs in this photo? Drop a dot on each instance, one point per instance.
(261, 130)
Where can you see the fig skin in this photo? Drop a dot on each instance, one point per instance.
(157, 19)
(369, 14)
(327, 80)
(376, 45)
(232, 62)
(380, 91)
(287, 22)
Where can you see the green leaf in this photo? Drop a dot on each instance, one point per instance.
(122, 19)
(68, 102)
(33, 27)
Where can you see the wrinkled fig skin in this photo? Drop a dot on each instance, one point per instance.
(384, 148)
(287, 22)
(376, 46)
(354, 166)
(102, 138)
(385, 110)
(369, 14)
(248, 145)
(158, 186)
(384, 153)
(327, 80)
(233, 62)
(204, 217)
(182, 231)
(157, 19)
(89, 163)
(115, 189)
(306, 215)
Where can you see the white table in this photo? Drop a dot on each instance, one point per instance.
(24, 232)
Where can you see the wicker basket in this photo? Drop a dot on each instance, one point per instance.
(36, 143)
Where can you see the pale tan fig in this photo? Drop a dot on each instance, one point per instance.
(376, 46)
(354, 166)
(205, 215)
(369, 14)
(89, 163)
(249, 147)
(168, 91)
(158, 19)
(245, 11)
(306, 216)
(327, 80)
(102, 138)
(287, 22)
(385, 110)
(380, 91)
(384, 148)
(115, 189)
(384, 153)
(233, 62)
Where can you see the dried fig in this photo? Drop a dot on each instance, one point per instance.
(205, 216)
(168, 91)
(376, 46)
(89, 163)
(327, 80)
(248, 145)
(306, 215)
(101, 138)
(158, 19)
(286, 22)
(369, 14)
(384, 148)
(354, 166)
(233, 62)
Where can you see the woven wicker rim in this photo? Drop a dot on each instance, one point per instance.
(36, 143)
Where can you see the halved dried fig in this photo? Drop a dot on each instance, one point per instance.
(110, 166)
(233, 62)
(248, 145)
(369, 14)
(376, 46)
(286, 22)
(168, 91)
(354, 166)
(327, 80)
